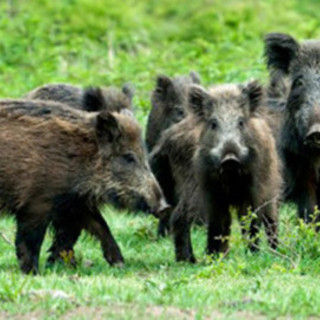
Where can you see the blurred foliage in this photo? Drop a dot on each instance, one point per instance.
(111, 42)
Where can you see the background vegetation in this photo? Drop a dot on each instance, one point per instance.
(110, 42)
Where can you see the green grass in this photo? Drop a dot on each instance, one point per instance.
(108, 42)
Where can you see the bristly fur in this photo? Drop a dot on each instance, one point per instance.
(259, 186)
(91, 99)
(295, 73)
(59, 170)
(169, 101)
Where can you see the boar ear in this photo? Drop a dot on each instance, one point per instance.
(107, 128)
(280, 49)
(198, 100)
(254, 92)
(93, 100)
(195, 77)
(129, 90)
(163, 86)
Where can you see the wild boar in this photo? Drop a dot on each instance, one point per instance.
(89, 99)
(169, 100)
(299, 141)
(59, 172)
(236, 164)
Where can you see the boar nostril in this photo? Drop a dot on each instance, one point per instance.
(230, 157)
(230, 162)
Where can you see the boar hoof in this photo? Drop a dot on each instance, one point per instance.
(29, 270)
(118, 265)
(190, 259)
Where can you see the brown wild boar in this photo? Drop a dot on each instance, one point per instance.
(58, 172)
(169, 101)
(89, 99)
(171, 163)
(236, 164)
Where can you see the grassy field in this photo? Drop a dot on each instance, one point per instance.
(106, 42)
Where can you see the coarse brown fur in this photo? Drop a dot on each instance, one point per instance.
(44, 109)
(58, 172)
(169, 106)
(171, 162)
(234, 128)
(89, 99)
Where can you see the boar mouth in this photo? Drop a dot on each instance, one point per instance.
(159, 211)
(132, 201)
(313, 137)
(230, 163)
(135, 202)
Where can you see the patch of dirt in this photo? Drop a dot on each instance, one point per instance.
(130, 311)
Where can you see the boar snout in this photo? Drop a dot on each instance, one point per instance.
(230, 161)
(312, 138)
(164, 208)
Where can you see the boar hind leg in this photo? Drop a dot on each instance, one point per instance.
(99, 228)
(219, 229)
(181, 226)
(28, 241)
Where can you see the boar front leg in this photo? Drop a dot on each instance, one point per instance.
(250, 226)
(99, 228)
(307, 201)
(68, 219)
(269, 218)
(181, 225)
(219, 227)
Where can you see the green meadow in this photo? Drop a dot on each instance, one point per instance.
(109, 42)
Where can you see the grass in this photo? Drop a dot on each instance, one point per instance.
(112, 42)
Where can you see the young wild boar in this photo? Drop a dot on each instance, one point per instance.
(236, 164)
(171, 163)
(169, 100)
(90, 99)
(299, 141)
(60, 172)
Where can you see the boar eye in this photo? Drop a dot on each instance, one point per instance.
(241, 123)
(129, 158)
(298, 82)
(214, 124)
(179, 113)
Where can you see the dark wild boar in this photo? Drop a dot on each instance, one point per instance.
(237, 165)
(299, 65)
(169, 100)
(59, 172)
(89, 99)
